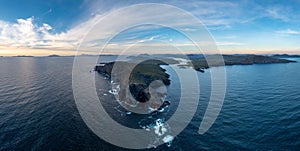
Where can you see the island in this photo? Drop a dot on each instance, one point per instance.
(146, 81)
(286, 56)
(147, 76)
(54, 55)
(200, 63)
(24, 56)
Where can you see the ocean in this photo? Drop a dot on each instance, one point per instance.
(261, 110)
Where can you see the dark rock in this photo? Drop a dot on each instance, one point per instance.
(165, 104)
(200, 70)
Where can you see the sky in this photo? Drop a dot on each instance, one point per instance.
(39, 28)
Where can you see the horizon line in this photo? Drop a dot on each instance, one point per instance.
(56, 55)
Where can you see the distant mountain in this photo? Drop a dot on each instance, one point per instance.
(286, 56)
(54, 56)
(23, 56)
(58, 56)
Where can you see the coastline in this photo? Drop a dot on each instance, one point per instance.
(149, 75)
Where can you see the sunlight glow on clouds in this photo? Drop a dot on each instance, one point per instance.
(238, 27)
(25, 33)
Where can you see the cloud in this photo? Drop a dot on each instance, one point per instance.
(24, 33)
(216, 15)
(21, 33)
(278, 13)
(148, 39)
(289, 32)
(228, 43)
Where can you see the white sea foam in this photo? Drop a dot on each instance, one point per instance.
(159, 127)
(113, 91)
(115, 88)
(168, 139)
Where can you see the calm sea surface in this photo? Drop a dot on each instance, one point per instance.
(38, 112)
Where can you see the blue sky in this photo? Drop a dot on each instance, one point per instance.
(34, 27)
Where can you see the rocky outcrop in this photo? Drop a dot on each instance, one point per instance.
(140, 78)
